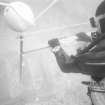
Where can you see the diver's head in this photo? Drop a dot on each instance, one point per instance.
(99, 20)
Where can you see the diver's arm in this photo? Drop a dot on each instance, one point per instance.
(95, 53)
(65, 62)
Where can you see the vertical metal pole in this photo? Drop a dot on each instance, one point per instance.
(21, 56)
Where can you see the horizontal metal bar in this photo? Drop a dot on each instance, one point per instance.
(34, 50)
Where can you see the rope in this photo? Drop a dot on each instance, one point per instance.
(45, 10)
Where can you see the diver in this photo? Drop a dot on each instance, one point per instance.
(90, 60)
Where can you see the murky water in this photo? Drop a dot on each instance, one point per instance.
(42, 82)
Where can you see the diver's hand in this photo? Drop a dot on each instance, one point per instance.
(54, 43)
(82, 36)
